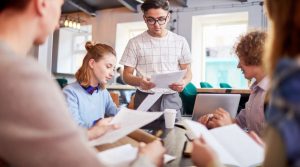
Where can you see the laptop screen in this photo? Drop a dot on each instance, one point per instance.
(208, 103)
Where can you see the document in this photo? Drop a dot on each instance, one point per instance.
(126, 154)
(163, 80)
(149, 101)
(232, 145)
(129, 121)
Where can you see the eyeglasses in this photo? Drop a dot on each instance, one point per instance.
(160, 20)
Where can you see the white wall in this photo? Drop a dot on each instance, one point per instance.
(105, 23)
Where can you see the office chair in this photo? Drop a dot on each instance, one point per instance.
(205, 85)
(224, 85)
(188, 96)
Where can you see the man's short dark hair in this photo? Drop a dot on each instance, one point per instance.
(155, 4)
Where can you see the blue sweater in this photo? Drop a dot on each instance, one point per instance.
(87, 108)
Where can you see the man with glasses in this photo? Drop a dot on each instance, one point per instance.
(156, 50)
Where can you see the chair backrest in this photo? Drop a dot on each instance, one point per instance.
(131, 103)
(62, 82)
(224, 85)
(205, 85)
(115, 98)
(188, 96)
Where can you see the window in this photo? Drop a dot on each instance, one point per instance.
(126, 31)
(214, 38)
(71, 49)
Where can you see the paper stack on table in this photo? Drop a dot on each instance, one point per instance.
(129, 121)
(123, 156)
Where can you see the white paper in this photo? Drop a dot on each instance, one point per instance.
(122, 156)
(245, 150)
(149, 101)
(200, 130)
(163, 80)
(232, 145)
(129, 121)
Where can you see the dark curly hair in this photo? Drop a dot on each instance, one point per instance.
(155, 4)
(250, 47)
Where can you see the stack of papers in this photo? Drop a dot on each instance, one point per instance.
(162, 82)
(125, 154)
(129, 121)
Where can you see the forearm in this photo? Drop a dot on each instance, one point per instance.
(132, 80)
(188, 76)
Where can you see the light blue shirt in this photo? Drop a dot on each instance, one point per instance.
(87, 108)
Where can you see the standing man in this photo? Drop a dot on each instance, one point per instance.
(155, 51)
(36, 129)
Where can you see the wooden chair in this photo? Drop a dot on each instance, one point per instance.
(115, 98)
(131, 103)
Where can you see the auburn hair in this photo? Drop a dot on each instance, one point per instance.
(250, 47)
(13, 4)
(96, 52)
(284, 32)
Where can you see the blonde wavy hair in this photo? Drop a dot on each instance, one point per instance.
(284, 33)
(96, 52)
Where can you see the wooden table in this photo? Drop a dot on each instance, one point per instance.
(221, 91)
(120, 87)
(174, 140)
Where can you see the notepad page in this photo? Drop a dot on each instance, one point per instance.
(163, 80)
(240, 145)
(125, 155)
(128, 120)
(200, 130)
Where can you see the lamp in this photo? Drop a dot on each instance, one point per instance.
(74, 23)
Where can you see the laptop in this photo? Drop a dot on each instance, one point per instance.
(208, 103)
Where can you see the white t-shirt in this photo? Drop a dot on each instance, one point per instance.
(152, 55)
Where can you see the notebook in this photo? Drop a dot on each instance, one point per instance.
(208, 103)
(231, 144)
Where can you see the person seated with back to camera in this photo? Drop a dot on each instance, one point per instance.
(249, 50)
(88, 100)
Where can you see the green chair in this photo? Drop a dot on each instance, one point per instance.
(224, 85)
(188, 96)
(62, 82)
(205, 85)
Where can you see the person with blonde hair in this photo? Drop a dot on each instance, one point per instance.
(249, 50)
(36, 129)
(87, 98)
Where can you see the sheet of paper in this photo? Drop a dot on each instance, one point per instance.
(125, 155)
(240, 145)
(149, 101)
(200, 130)
(128, 120)
(163, 80)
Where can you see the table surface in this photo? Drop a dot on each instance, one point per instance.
(120, 87)
(220, 90)
(174, 141)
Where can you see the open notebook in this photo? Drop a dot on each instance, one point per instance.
(232, 145)
(126, 155)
